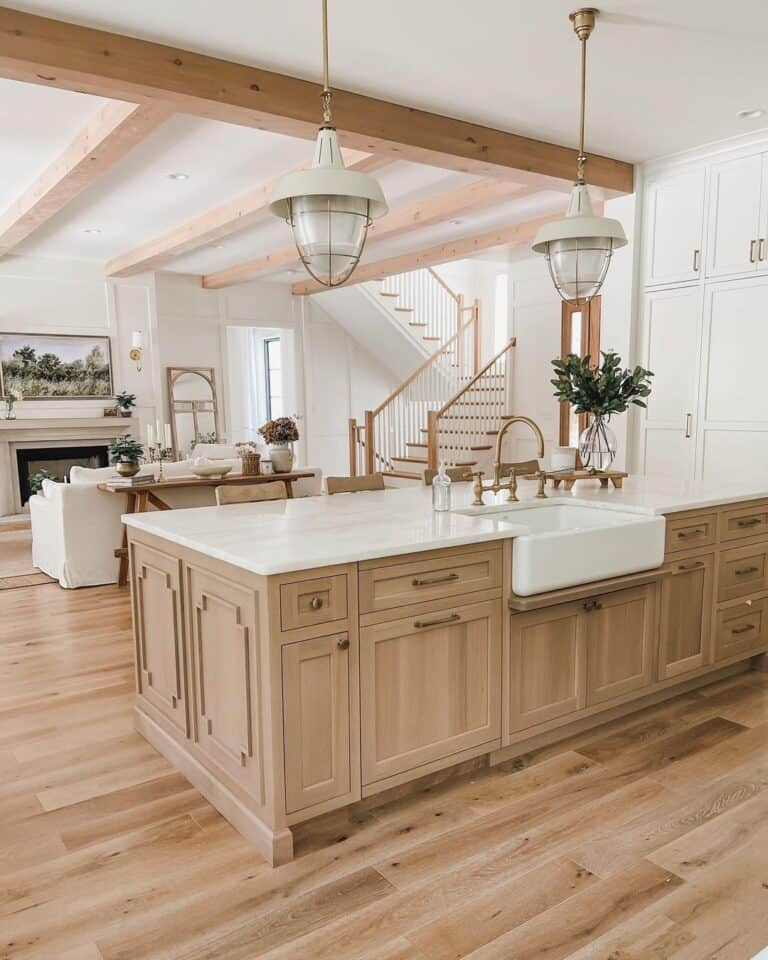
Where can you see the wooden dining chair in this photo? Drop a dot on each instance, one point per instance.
(372, 481)
(251, 492)
(456, 474)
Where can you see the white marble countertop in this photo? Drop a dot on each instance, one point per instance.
(288, 535)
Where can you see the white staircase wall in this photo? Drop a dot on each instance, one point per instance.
(382, 332)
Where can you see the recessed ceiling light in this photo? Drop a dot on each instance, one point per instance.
(178, 176)
(457, 222)
(752, 114)
(92, 230)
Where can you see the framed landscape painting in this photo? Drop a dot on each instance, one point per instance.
(55, 366)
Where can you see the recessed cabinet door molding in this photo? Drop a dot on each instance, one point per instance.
(546, 666)
(734, 217)
(621, 630)
(226, 676)
(674, 218)
(733, 425)
(686, 616)
(316, 718)
(160, 660)
(430, 687)
(670, 340)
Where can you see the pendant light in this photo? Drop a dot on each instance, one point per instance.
(579, 247)
(328, 207)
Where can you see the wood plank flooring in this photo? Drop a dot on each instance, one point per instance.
(645, 839)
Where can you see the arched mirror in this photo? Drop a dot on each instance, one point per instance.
(193, 409)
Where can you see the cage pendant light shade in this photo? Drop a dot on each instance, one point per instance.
(329, 210)
(579, 248)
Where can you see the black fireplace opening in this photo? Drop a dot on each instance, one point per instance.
(57, 461)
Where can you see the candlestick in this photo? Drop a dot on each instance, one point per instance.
(150, 435)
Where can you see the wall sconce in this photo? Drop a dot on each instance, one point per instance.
(137, 348)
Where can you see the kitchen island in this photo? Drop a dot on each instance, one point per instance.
(297, 656)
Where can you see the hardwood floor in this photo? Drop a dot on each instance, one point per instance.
(643, 840)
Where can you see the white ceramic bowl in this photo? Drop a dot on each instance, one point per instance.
(212, 470)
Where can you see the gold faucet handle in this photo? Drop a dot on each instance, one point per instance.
(542, 477)
(477, 489)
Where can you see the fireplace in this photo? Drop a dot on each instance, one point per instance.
(57, 461)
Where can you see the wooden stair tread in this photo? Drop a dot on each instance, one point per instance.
(403, 309)
(412, 323)
(402, 474)
(431, 338)
(388, 293)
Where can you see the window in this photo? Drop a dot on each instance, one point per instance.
(581, 335)
(273, 378)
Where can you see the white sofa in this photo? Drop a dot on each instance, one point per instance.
(76, 526)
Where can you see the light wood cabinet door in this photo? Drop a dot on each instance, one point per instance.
(430, 687)
(316, 720)
(674, 215)
(741, 629)
(686, 616)
(743, 571)
(620, 630)
(546, 665)
(159, 630)
(225, 670)
(734, 216)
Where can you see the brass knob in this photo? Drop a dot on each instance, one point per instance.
(316, 603)
(342, 643)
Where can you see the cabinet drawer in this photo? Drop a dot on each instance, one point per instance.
(741, 628)
(740, 522)
(685, 533)
(307, 603)
(743, 570)
(395, 586)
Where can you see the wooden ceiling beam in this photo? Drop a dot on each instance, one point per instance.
(245, 211)
(457, 249)
(399, 222)
(115, 130)
(54, 53)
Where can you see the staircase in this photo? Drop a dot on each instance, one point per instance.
(450, 408)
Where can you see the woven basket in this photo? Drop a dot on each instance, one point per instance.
(251, 464)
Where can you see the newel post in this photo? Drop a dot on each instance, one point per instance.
(352, 425)
(369, 442)
(432, 463)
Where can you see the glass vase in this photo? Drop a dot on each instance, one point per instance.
(597, 445)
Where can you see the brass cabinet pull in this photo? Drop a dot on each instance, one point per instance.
(747, 628)
(592, 605)
(174, 702)
(697, 532)
(421, 624)
(691, 566)
(430, 582)
(745, 570)
(749, 522)
(696, 258)
(688, 425)
(761, 249)
(342, 643)
(316, 603)
(752, 245)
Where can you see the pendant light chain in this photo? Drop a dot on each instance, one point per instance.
(325, 96)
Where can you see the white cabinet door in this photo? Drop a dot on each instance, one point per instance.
(733, 432)
(734, 216)
(674, 218)
(670, 338)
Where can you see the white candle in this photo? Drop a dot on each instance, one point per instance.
(150, 435)
(159, 433)
(168, 436)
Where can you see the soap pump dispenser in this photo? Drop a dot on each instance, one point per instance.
(441, 489)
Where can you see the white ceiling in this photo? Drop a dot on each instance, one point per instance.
(663, 77)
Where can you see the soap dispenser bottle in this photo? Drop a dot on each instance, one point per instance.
(441, 490)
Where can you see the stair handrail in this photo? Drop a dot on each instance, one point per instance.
(433, 416)
(443, 284)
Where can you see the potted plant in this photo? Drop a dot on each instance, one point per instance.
(12, 397)
(125, 454)
(36, 480)
(125, 402)
(600, 392)
(250, 458)
(280, 435)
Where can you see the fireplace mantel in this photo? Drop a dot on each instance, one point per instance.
(29, 432)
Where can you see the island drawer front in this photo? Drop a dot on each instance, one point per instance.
(383, 588)
(743, 571)
(746, 521)
(685, 533)
(429, 687)
(307, 603)
(741, 628)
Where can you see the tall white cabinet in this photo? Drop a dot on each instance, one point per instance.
(703, 318)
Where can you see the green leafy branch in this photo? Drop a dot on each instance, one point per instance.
(604, 390)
